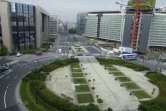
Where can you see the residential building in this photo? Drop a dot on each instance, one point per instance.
(157, 35)
(81, 22)
(143, 29)
(53, 25)
(23, 26)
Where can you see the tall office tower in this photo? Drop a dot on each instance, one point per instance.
(53, 25)
(23, 26)
(143, 28)
(157, 35)
(81, 22)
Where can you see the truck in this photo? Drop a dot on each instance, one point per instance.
(132, 56)
(125, 50)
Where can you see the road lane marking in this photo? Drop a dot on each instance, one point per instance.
(15, 77)
(9, 84)
(5, 98)
(8, 77)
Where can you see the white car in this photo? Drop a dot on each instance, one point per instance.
(18, 54)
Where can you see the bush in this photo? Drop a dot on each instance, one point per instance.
(3, 50)
(158, 104)
(109, 109)
(46, 45)
(99, 100)
(123, 63)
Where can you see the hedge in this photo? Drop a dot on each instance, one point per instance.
(37, 84)
(123, 63)
(158, 104)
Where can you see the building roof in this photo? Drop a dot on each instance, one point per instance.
(103, 12)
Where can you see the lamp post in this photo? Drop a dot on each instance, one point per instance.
(93, 88)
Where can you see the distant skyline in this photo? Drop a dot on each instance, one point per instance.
(67, 9)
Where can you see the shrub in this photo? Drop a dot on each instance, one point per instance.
(99, 100)
(3, 50)
(109, 109)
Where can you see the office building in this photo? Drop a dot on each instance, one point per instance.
(157, 35)
(23, 26)
(105, 25)
(141, 42)
(53, 25)
(81, 22)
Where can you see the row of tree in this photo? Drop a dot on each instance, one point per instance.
(72, 31)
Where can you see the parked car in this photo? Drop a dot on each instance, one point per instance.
(38, 53)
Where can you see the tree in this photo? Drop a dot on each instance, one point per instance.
(151, 2)
(3, 50)
(72, 31)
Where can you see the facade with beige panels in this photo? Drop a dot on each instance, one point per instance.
(22, 26)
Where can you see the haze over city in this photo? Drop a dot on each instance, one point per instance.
(68, 9)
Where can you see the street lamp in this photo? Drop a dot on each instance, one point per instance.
(93, 88)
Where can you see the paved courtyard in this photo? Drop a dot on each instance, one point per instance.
(106, 87)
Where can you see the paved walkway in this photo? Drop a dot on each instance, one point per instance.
(58, 83)
(113, 95)
(140, 80)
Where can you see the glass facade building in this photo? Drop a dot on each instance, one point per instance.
(91, 25)
(53, 25)
(111, 27)
(81, 22)
(22, 26)
(157, 35)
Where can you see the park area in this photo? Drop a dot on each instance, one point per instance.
(107, 85)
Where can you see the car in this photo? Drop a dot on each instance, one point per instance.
(38, 53)
(18, 54)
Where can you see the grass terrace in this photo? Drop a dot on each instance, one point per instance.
(80, 81)
(141, 94)
(131, 86)
(77, 75)
(76, 70)
(112, 69)
(82, 88)
(124, 79)
(117, 74)
(85, 98)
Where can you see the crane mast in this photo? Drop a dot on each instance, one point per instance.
(135, 33)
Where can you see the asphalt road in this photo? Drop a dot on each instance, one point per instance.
(8, 83)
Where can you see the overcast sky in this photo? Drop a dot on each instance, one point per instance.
(68, 9)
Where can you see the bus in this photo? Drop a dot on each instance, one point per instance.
(133, 56)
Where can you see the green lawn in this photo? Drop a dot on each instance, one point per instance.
(82, 88)
(80, 81)
(107, 65)
(112, 69)
(76, 70)
(124, 79)
(77, 75)
(117, 74)
(85, 98)
(141, 94)
(28, 98)
(131, 86)
(75, 65)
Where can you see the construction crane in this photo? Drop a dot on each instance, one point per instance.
(121, 5)
(135, 26)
